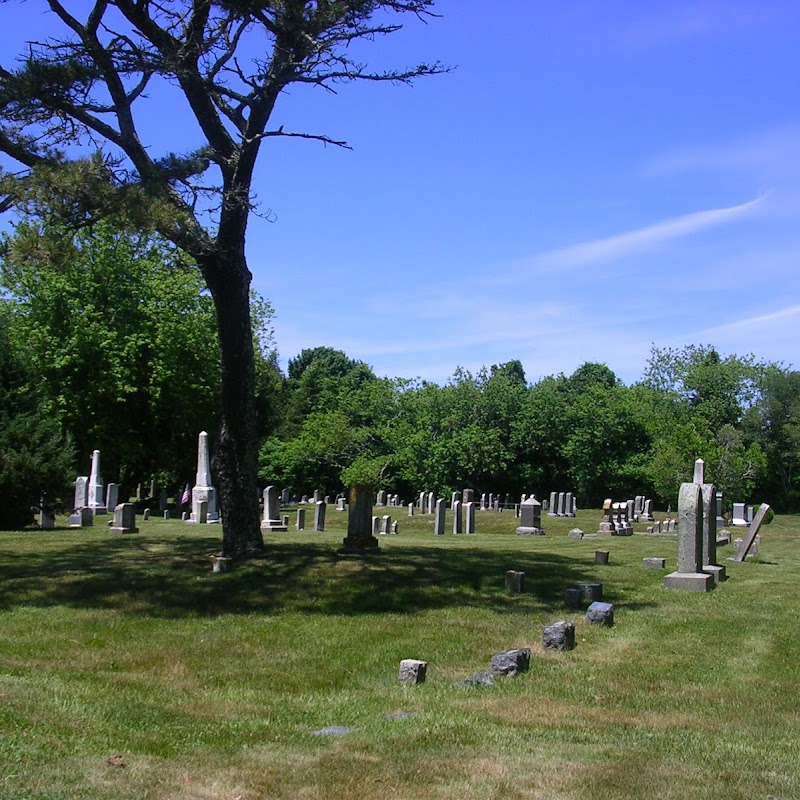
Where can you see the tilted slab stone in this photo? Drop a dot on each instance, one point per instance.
(750, 538)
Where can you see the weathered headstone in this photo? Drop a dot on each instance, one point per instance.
(559, 636)
(458, 523)
(607, 525)
(380, 500)
(300, 522)
(601, 557)
(568, 509)
(720, 518)
(739, 515)
(468, 496)
(600, 614)
(699, 472)
(647, 511)
(412, 671)
(272, 514)
(515, 581)
(654, 563)
(530, 518)
(317, 496)
(553, 508)
(146, 514)
(469, 517)
(81, 492)
(386, 523)
(438, 522)
(710, 564)
(561, 511)
(410, 509)
(511, 662)
(376, 526)
(359, 537)
(340, 504)
(112, 496)
(319, 516)
(203, 491)
(431, 506)
(124, 519)
(689, 575)
(575, 534)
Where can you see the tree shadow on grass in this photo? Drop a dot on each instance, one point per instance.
(154, 576)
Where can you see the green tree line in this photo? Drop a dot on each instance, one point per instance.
(108, 341)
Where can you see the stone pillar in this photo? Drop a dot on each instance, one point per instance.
(96, 501)
(699, 472)
(272, 512)
(438, 522)
(689, 575)
(359, 522)
(203, 491)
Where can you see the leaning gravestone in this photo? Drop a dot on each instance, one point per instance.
(755, 526)
(689, 575)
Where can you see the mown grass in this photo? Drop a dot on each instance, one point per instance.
(210, 685)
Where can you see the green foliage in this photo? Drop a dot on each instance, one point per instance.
(35, 456)
(364, 471)
(119, 335)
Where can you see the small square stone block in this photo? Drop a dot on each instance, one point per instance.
(590, 591)
(511, 662)
(559, 636)
(412, 671)
(601, 557)
(220, 564)
(515, 581)
(575, 533)
(654, 563)
(600, 614)
(573, 597)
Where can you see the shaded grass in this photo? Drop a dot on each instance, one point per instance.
(209, 686)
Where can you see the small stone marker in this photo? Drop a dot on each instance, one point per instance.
(332, 730)
(600, 614)
(511, 662)
(573, 597)
(601, 557)
(166, 513)
(221, 564)
(515, 581)
(394, 528)
(530, 518)
(146, 514)
(87, 518)
(412, 671)
(185, 516)
(202, 512)
(575, 534)
(590, 591)
(654, 563)
(559, 636)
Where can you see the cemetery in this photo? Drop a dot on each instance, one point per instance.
(444, 663)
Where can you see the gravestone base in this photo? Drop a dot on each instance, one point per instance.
(689, 581)
(717, 571)
(123, 530)
(273, 525)
(623, 530)
(353, 546)
(606, 529)
(530, 531)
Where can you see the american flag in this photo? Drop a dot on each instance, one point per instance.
(185, 496)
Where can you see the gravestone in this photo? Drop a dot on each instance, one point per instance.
(202, 513)
(568, 508)
(124, 519)
(327, 499)
(340, 504)
(319, 516)
(750, 537)
(163, 501)
(394, 528)
(689, 575)
(81, 492)
(112, 495)
(739, 515)
(146, 514)
(304, 500)
(553, 507)
(483, 502)
(559, 636)
(720, 517)
(300, 523)
(647, 512)
(431, 507)
(576, 534)
(317, 496)
(468, 496)
(699, 472)
(95, 499)
(601, 557)
(600, 614)
(530, 518)
(453, 498)
(438, 522)
(410, 509)
(515, 581)
(359, 537)
(710, 564)
(203, 491)
(286, 495)
(47, 519)
(272, 520)
(412, 671)
(469, 517)
(561, 510)
(511, 662)
(386, 524)
(607, 526)
(458, 523)
(380, 500)
(421, 503)
(654, 563)
(376, 526)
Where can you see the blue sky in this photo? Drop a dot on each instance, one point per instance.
(592, 178)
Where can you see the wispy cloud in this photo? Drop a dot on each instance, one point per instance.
(641, 240)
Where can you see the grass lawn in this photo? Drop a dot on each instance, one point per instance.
(129, 670)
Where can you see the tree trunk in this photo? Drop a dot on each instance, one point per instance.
(235, 461)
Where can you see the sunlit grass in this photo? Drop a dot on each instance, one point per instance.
(210, 685)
